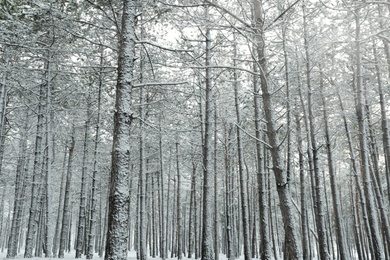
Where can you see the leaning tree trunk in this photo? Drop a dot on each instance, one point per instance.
(384, 120)
(292, 241)
(362, 124)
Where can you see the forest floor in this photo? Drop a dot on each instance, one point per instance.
(131, 256)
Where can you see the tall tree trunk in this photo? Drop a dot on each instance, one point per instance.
(3, 105)
(178, 205)
(242, 181)
(384, 120)
(191, 225)
(48, 161)
(207, 235)
(37, 176)
(331, 170)
(216, 209)
(265, 246)
(319, 186)
(292, 241)
(117, 235)
(66, 217)
(160, 188)
(80, 239)
(304, 227)
(57, 231)
(93, 209)
(361, 118)
(13, 239)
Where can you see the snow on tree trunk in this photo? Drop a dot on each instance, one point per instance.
(339, 226)
(37, 177)
(82, 204)
(60, 207)
(265, 246)
(117, 234)
(207, 235)
(93, 210)
(319, 186)
(19, 191)
(242, 181)
(66, 213)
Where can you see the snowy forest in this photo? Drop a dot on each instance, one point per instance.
(195, 129)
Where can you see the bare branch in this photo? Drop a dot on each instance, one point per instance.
(147, 84)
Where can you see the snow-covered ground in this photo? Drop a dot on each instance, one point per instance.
(132, 255)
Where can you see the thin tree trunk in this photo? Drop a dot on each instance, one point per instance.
(243, 191)
(66, 217)
(319, 186)
(48, 161)
(228, 191)
(13, 239)
(160, 188)
(304, 227)
(207, 234)
(3, 105)
(265, 246)
(384, 120)
(178, 206)
(371, 208)
(60, 207)
(191, 225)
(332, 175)
(216, 209)
(37, 178)
(80, 239)
(93, 209)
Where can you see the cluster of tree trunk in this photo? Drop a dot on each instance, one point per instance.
(194, 129)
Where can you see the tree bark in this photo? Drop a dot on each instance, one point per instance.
(66, 213)
(339, 225)
(319, 186)
(82, 220)
(242, 182)
(93, 209)
(361, 118)
(117, 235)
(292, 241)
(37, 177)
(13, 239)
(207, 235)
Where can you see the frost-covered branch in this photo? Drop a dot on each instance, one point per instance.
(147, 84)
(224, 67)
(162, 47)
(254, 137)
